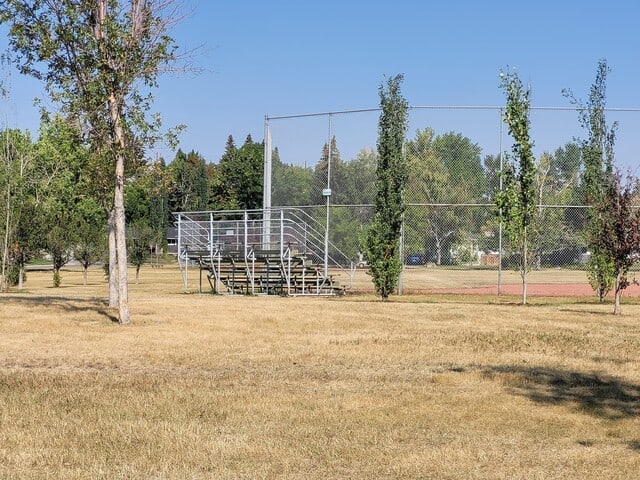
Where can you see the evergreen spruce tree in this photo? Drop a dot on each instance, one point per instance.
(222, 195)
(246, 176)
(321, 172)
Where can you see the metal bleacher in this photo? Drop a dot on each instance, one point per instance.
(252, 253)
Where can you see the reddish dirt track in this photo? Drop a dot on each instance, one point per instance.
(536, 289)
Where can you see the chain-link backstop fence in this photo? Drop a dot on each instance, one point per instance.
(325, 163)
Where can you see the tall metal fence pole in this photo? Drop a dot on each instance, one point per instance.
(266, 190)
(282, 233)
(327, 195)
(500, 224)
(400, 288)
(211, 239)
(185, 273)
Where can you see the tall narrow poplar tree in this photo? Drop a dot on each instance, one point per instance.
(517, 201)
(598, 176)
(96, 57)
(613, 228)
(382, 243)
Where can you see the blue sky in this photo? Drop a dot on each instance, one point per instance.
(290, 57)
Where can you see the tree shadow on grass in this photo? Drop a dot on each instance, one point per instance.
(598, 395)
(608, 313)
(66, 304)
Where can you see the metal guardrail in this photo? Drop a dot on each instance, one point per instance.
(287, 229)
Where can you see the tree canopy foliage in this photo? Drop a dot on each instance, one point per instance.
(598, 156)
(613, 227)
(443, 169)
(382, 243)
(97, 59)
(517, 201)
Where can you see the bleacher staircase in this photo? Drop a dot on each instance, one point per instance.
(244, 253)
(265, 272)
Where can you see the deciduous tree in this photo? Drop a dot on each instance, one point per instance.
(140, 237)
(517, 201)
(89, 225)
(620, 242)
(98, 58)
(598, 157)
(382, 243)
(444, 169)
(16, 241)
(59, 162)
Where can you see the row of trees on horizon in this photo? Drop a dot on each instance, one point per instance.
(99, 62)
(52, 204)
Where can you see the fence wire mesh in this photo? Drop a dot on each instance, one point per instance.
(455, 157)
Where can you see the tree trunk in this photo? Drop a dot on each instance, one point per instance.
(84, 274)
(618, 295)
(56, 275)
(4, 285)
(121, 242)
(118, 210)
(118, 291)
(438, 251)
(121, 249)
(113, 262)
(21, 277)
(137, 274)
(525, 254)
(384, 292)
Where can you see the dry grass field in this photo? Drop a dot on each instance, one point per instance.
(417, 279)
(421, 387)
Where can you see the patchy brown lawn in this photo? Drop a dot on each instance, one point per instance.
(424, 386)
